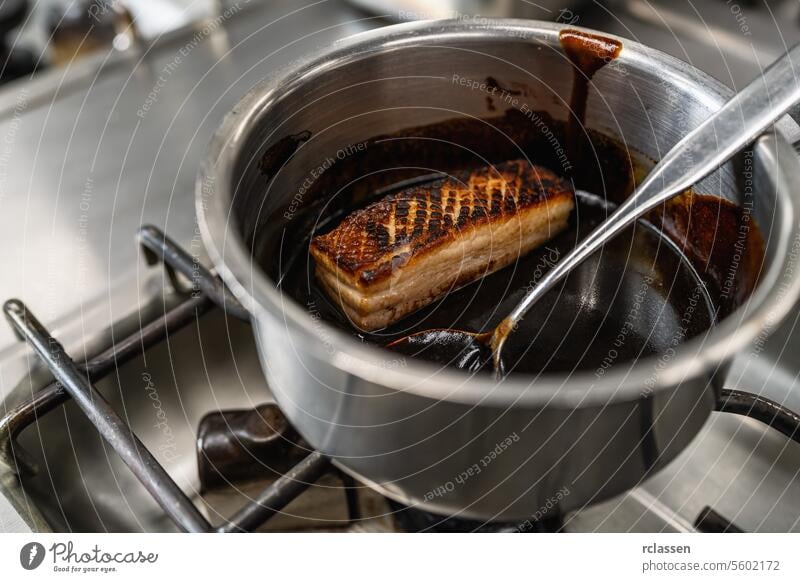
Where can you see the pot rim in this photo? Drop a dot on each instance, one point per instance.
(705, 354)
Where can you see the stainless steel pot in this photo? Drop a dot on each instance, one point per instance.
(438, 438)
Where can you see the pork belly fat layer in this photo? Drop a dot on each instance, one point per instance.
(403, 252)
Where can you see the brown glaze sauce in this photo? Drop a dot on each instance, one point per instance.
(280, 153)
(588, 53)
(720, 240)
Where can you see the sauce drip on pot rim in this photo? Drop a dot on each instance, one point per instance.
(588, 53)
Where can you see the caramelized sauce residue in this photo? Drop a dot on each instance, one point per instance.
(588, 53)
(720, 240)
(280, 153)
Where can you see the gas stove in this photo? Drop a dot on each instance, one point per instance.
(177, 365)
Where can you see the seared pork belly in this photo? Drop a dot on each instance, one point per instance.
(403, 252)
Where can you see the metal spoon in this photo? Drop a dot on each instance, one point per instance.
(715, 141)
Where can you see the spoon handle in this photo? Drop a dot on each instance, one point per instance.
(715, 141)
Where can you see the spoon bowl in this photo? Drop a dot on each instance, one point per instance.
(465, 350)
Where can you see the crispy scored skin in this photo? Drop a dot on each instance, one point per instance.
(404, 251)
